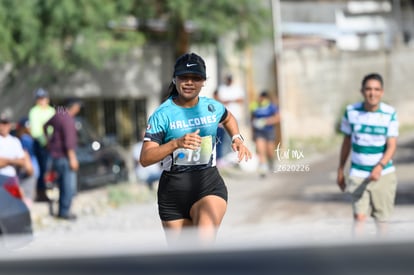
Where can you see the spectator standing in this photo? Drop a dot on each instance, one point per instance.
(12, 155)
(28, 177)
(371, 130)
(38, 115)
(62, 144)
(232, 97)
(264, 117)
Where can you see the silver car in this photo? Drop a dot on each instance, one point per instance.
(15, 221)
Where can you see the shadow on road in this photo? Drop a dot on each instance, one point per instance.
(404, 196)
(326, 197)
(405, 153)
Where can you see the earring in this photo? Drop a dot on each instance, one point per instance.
(173, 81)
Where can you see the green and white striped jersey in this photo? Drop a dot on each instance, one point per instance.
(369, 132)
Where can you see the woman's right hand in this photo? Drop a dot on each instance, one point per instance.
(190, 141)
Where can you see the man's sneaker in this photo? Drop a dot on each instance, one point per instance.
(42, 197)
(69, 217)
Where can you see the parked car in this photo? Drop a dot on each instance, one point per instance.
(15, 220)
(101, 160)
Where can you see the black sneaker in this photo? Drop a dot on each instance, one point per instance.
(42, 197)
(69, 217)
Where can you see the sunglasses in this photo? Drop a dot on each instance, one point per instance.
(193, 78)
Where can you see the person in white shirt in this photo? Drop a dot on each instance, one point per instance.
(370, 130)
(12, 154)
(232, 97)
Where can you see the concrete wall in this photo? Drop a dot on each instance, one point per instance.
(310, 11)
(317, 80)
(317, 83)
(142, 74)
(145, 73)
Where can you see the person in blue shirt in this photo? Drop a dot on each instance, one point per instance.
(28, 176)
(181, 134)
(264, 117)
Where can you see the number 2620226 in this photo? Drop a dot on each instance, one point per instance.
(291, 168)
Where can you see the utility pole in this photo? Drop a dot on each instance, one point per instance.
(398, 21)
(278, 49)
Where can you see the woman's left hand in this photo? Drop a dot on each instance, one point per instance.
(243, 153)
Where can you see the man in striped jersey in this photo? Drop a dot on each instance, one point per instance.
(371, 130)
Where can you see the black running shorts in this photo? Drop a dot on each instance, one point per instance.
(178, 191)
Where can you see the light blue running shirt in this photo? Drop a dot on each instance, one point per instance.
(170, 121)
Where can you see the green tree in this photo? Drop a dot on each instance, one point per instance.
(62, 35)
(186, 22)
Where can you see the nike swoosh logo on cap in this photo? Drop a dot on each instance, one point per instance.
(191, 65)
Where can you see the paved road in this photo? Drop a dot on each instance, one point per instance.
(306, 207)
(291, 223)
(283, 209)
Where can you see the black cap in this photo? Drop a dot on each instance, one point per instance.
(190, 63)
(264, 93)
